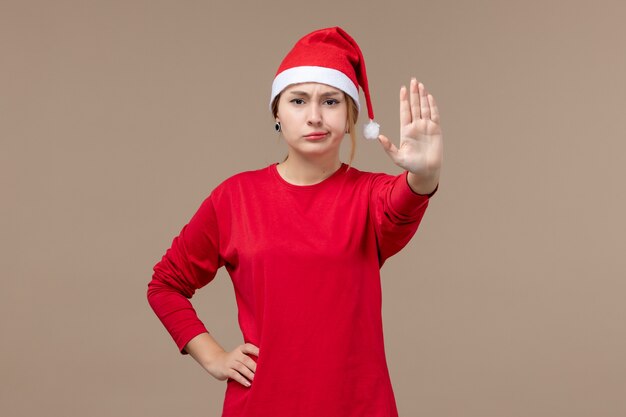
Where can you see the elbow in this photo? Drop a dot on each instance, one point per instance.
(166, 285)
(155, 287)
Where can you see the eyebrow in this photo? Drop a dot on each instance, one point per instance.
(305, 94)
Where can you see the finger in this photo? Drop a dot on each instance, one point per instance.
(434, 110)
(243, 370)
(405, 109)
(388, 146)
(236, 376)
(424, 104)
(249, 362)
(415, 100)
(250, 348)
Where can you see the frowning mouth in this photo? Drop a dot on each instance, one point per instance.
(316, 135)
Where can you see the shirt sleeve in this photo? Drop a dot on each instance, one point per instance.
(396, 211)
(190, 263)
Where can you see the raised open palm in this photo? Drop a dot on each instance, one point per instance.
(421, 140)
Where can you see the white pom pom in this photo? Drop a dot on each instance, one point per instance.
(371, 130)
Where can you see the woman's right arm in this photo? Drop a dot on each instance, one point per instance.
(190, 263)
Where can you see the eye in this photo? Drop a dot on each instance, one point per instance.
(297, 101)
(331, 101)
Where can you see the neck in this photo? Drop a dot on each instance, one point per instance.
(303, 171)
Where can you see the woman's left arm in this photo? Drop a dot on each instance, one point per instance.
(421, 140)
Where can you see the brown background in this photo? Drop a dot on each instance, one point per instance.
(117, 118)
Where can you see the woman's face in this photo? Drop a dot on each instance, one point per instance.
(313, 118)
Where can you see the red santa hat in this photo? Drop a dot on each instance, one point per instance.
(328, 56)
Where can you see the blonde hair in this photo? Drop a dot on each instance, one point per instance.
(353, 115)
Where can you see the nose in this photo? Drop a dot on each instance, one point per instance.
(315, 115)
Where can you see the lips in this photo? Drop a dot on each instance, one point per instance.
(316, 135)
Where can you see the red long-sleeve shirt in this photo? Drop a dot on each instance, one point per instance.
(305, 265)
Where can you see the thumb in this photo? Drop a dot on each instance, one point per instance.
(388, 146)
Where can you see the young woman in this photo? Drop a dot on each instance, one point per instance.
(303, 242)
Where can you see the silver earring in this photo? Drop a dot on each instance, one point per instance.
(278, 127)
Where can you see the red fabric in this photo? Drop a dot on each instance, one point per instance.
(305, 265)
(331, 48)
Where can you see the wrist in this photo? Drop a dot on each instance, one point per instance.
(423, 185)
(211, 357)
(204, 349)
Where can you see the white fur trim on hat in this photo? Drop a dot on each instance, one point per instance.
(323, 75)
